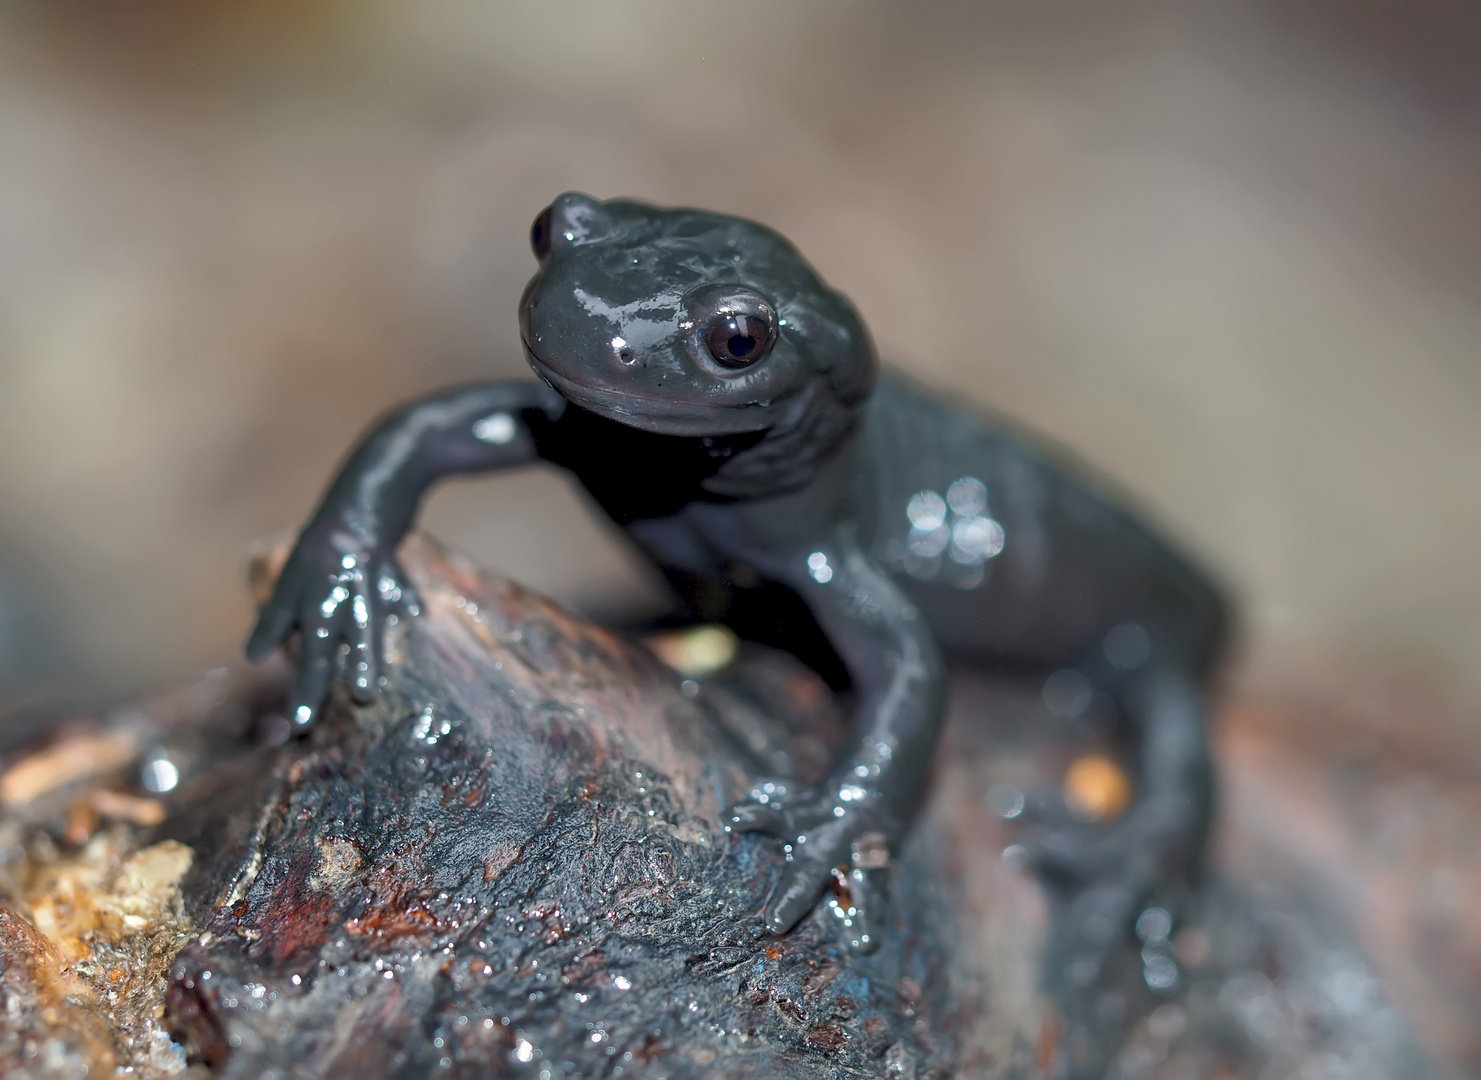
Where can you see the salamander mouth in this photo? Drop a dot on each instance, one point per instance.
(665, 416)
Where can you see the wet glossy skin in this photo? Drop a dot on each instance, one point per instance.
(724, 406)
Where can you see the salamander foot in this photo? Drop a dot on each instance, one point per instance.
(838, 841)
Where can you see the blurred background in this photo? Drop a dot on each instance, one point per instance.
(1229, 251)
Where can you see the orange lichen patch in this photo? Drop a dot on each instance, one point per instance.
(64, 898)
(99, 896)
(74, 757)
(34, 956)
(1096, 788)
(39, 996)
(104, 925)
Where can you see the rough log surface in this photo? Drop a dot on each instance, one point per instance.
(512, 863)
(511, 866)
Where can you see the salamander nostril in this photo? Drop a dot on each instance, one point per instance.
(540, 235)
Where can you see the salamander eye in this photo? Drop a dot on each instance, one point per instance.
(737, 341)
(540, 235)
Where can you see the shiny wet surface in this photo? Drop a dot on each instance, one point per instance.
(1333, 940)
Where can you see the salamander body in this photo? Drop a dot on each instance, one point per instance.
(725, 407)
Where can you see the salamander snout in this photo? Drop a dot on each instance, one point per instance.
(572, 219)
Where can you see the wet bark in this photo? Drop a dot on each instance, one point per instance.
(509, 865)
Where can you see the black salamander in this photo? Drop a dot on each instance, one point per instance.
(725, 407)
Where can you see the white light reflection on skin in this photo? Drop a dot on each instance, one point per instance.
(496, 429)
(967, 496)
(957, 522)
(817, 566)
(1154, 924)
(338, 596)
(975, 538)
(625, 355)
(928, 543)
(929, 534)
(926, 511)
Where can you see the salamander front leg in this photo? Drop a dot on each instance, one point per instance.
(841, 834)
(342, 585)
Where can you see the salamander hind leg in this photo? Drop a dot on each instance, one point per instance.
(1129, 878)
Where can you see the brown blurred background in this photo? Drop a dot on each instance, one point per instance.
(1227, 250)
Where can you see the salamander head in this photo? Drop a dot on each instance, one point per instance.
(683, 322)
